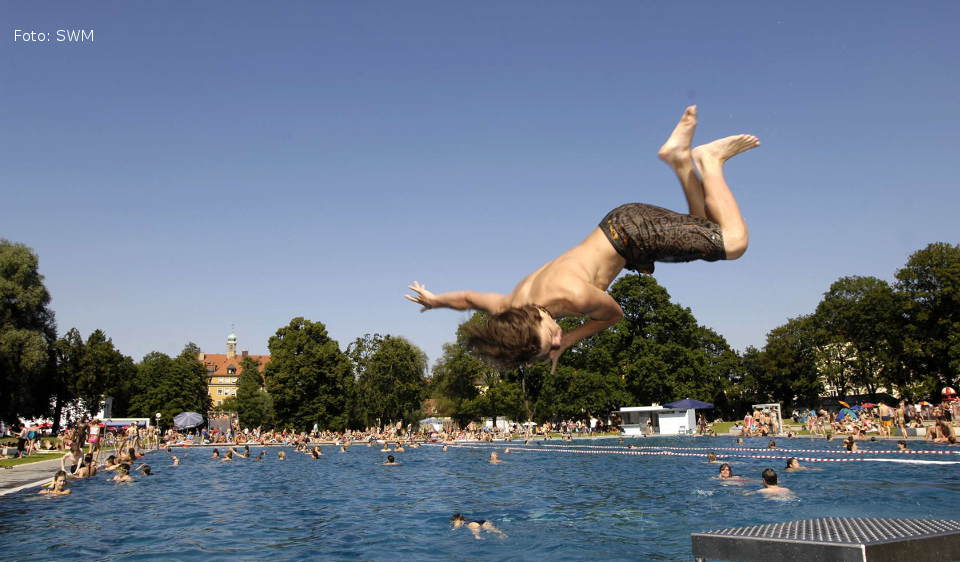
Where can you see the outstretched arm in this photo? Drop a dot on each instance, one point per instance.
(457, 300)
(603, 312)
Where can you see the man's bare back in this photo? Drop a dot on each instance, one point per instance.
(523, 323)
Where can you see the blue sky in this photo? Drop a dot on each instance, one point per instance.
(208, 164)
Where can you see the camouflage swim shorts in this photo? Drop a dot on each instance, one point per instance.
(644, 234)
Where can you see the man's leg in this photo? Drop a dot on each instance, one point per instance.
(677, 154)
(721, 207)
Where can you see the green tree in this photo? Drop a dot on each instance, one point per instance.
(455, 383)
(254, 406)
(577, 395)
(789, 367)
(929, 285)
(103, 370)
(69, 351)
(27, 336)
(170, 386)
(658, 350)
(308, 377)
(390, 379)
(858, 318)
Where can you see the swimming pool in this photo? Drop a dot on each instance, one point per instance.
(553, 503)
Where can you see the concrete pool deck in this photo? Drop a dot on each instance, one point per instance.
(28, 475)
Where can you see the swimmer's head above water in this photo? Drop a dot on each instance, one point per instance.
(515, 336)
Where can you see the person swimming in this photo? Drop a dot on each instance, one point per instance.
(228, 457)
(726, 472)
(770, 486)
(458, 521)
(794, 464)
(216, 453)
(58, 487)
(391, 461)
(111, 463)
(281, 455)
(711, 457)
(494, 458)
(176, 460)
(123, 474)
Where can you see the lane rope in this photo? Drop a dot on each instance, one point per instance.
(840, 451)
(606, 451)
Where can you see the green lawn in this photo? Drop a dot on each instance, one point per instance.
(31, 458)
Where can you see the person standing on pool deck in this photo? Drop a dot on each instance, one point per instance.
(522, 325)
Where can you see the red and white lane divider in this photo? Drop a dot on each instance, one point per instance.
(840, 451)
(607, 451)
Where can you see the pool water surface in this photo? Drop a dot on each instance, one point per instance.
(560, 501)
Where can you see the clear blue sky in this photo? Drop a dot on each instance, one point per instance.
(214, 163)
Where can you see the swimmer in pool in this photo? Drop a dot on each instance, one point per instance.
(726, 473)
(216, 454)
(123, 474)
(711, 457)
(458, 521)
(176, 460)
(281, 455)
(58, 487)
(385, 448)
(391, 461)
(901, 445)
(522, 326)
(494, 458)
(228, 457)
(111, 463)
(794, 464)
(770, 486)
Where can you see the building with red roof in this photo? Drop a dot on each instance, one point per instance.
(223, 370)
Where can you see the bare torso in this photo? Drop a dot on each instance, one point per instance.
(565, 284)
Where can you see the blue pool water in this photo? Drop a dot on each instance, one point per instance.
(557, 505)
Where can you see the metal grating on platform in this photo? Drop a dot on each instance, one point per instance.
(835, 538)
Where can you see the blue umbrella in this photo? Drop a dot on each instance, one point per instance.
(688, 404)
(430, 420)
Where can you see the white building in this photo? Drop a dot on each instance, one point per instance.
(663, 421)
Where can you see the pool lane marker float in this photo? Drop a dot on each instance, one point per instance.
(841, 451)
(700, 455)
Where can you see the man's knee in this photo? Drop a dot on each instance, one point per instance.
(735, 244)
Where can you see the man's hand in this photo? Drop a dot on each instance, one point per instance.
(424, 297)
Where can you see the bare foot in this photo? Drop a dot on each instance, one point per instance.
(720, 150)
(677, 148)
